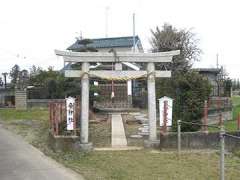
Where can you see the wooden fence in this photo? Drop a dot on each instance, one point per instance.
(58, 119)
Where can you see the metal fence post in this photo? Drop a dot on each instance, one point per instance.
(165, 116)
(238, 121)
(179, 136)
(222, 149)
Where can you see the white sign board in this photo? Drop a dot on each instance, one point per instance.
(168, 104)
(70, 106)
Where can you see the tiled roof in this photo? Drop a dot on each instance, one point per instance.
(113, 42)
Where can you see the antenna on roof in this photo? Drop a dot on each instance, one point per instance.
(134, 43)
(106, 21)
(79, 36)
(217, 60)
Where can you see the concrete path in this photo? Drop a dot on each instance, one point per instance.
(21, 161)
(118, 132)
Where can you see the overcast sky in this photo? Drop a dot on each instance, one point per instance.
(30, 30)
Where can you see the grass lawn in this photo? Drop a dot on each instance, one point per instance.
(236, 100)
(120, 165)
(34, 114)
(31, 124)
(236, 106)
(147, 165)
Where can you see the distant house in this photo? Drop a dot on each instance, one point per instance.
(120, 44)
(215, 77)
(7, 98)
(123, 91)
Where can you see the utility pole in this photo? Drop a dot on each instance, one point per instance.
(134, 41)
(106, 21)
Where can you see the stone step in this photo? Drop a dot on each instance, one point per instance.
(145, 131)
(137, 136)
(143, 128)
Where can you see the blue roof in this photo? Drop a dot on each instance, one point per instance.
(114, 42)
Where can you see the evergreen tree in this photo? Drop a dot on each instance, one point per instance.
(186, 87)
(14, 75)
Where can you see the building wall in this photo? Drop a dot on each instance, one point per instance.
(217, 90)
(5, 97)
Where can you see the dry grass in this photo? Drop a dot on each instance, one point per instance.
(143, 164)
(122, 165)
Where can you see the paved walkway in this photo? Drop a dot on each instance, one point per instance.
(21, 161)
(118, 133)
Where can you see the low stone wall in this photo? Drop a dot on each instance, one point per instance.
(200, 140)
(41, 103)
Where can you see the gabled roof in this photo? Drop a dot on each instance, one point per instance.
(114, 42)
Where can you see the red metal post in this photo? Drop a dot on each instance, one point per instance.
(205, 118)
(64, 112)
(57, 118)
(220, 119)
(54, 118)
(165, 108)
(50, 114)
(60, 113)
(75, 118)
(238, 121)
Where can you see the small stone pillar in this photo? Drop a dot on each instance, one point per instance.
(20, 99)
(84, 144)
(151, 106)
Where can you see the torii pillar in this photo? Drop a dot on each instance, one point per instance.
(84, 143)
(151, 102)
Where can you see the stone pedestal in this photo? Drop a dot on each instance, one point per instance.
(86, 147)
(151, 102)
(84, 104)
(20, 99)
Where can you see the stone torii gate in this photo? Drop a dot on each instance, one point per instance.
(92, 57)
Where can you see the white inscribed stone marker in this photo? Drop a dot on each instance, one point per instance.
(70, 104)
